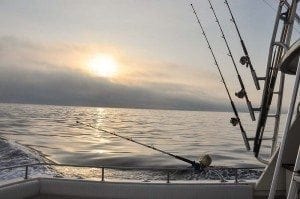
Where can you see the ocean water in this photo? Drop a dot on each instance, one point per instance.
(53, 134)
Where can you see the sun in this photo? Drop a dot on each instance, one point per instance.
(103, 65)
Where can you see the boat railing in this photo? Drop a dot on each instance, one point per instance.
(168, 170)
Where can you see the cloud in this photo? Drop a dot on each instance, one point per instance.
(50, 74)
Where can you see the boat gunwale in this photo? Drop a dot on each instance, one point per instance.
(168, 171)
(128, 168)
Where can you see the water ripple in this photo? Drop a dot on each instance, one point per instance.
(53, 131)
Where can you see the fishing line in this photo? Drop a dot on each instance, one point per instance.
(204, 162)
(269, 5)
(236, 120)
(286, 5)
(242, 93)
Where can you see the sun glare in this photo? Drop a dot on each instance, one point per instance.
(103, 65)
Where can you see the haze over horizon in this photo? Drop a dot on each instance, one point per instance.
(127, 53)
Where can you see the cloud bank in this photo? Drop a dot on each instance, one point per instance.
(48, 74)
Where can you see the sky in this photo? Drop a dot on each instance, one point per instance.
(128, 53)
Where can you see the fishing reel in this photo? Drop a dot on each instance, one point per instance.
(234, 121)
(244, 61)
(241, 94)
(205, 160)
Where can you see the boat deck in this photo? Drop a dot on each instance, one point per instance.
(47, 188)
(72, 197)
(50, 188)
(44, 196)
(47, 196)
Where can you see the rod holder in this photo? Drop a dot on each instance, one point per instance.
(236, 176)
(255, 79)
(256, 109)
(251, 111)
(102, 174)
(26, 172)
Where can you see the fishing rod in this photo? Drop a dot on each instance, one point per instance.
(204, 162)
(235, 120)
(242, 93)
(244, 60)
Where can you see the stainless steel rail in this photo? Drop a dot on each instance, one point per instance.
(167, 170)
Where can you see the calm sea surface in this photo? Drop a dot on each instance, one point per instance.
(52, 130)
